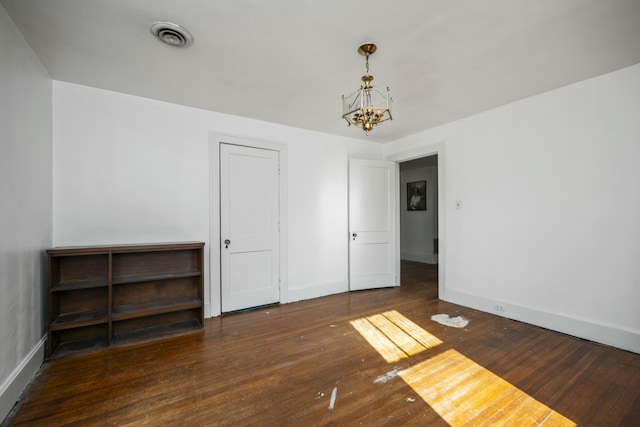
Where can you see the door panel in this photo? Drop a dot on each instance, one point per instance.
(249, 220)
(372, 224)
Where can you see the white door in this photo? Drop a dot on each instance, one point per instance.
(249, 227)
(372, 224)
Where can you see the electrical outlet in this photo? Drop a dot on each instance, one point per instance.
(498, 307)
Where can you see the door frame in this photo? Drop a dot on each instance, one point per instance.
(213, 306)
(416, 153)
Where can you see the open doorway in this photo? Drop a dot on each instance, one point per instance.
(419, 222)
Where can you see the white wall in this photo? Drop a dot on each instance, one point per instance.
(129, 169)
(419, 228)
(550, 220)
(25, 209)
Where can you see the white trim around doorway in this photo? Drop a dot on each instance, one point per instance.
(416, 153)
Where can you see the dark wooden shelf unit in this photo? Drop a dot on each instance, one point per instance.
(99, 296)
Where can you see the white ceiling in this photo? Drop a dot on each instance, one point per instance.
(289, 61)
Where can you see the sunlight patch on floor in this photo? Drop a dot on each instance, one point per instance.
(461, 391)
(464, 393)
(394, 336)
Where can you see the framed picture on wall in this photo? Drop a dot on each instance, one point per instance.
(417, 196)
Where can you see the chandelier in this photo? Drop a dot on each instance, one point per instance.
(368, 106)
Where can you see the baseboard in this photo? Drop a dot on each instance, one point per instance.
(310, 292)
(603, 334)
(20, 378)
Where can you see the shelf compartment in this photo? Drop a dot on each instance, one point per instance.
(85, 345)
(79, 319)
(152, 327)
(72, 285)
(155, 263)
(131, 311)
(156, 292)
(78, 268)
(63, 342)
(80, 304)
(157, 332)
(148, 277)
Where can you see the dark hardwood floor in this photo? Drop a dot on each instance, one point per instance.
(309, 364)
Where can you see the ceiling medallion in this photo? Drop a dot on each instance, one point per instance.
(368, 106)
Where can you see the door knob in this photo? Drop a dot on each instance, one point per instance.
(354, 236)
(227, 242)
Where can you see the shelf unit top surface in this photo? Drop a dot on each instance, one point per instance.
(123, 248)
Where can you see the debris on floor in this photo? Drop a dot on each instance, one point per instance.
(334, 393)
(444, 319)
(386, 377)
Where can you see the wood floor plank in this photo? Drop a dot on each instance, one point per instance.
(279, 365)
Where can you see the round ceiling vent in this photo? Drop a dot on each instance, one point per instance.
(171, 34)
